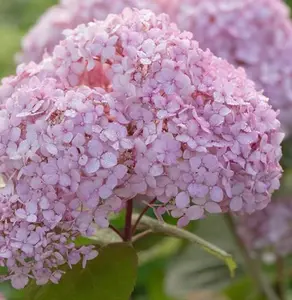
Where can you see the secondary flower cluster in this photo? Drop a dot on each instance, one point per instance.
(125, 107)
(269, 229)
(256, 35)
(47, 33)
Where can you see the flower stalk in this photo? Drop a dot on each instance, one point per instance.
(128, 221)
(252, 265)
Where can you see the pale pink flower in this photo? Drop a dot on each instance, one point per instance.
(94, 135)
(48, 32)
(268, 230)
(255, 35)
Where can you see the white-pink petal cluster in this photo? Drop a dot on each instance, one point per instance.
(269, 230)
(126, 107)
(47, 33)
(256, 35)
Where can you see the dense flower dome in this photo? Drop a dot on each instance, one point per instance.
(269, 230)
(256, 35)
(47, 33)
(124, 108)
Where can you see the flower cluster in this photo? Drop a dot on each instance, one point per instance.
(125, 107)
(47, 33)
(256, 35)
(269, 229)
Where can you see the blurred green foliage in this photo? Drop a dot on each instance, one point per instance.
(16, 17)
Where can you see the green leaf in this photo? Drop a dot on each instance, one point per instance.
(111, 276)
(118, 220)
(241, 289)
(155, 286)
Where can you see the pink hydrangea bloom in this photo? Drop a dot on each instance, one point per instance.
(47, 33)
(125, 107)
(269, 229)
(256, 35)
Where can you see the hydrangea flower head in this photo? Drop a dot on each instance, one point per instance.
(268, 229)
(47, 33)
(127, 107)
(256, 35)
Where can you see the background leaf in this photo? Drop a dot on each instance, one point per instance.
(195, 270)
(111, 276)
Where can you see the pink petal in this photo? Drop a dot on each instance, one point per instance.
(31, 207)
(216, 120)
(198, 190)
(182, 200)
(65, 180)
(52, 149)
(112, 181)
(105, 192)
(127, 143)
(83, 159)
(21, 213)
(195, 163)
(108, 160)
(156, 170)
(213, 207)
(33, 238)
(236, 204)
(195, 212)
(59, 208)
(49, 215)
(247, 138)
(44, 203)
(5, 252)
(51, 178)
(67, 138)
(92, 166)
(19, 281)
(92, 255)
(95, 148)
(79, 140)
(120, 171)
(111, 134)
(182, 222)
(216, 194)
(31, 218)
(210, 161)
(15, 134)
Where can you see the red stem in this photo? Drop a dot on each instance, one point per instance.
(128, 221)
(142, 214)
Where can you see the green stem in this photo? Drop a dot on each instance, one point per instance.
(280, 281)
(141, 235)
(174, 231)
(252, 265)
